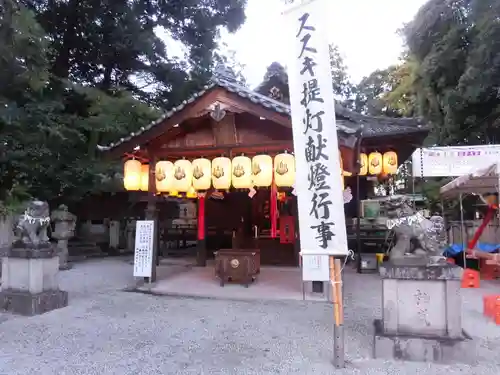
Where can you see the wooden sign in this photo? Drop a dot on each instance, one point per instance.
(143, 254)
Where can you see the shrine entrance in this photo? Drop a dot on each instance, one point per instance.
(240, 220)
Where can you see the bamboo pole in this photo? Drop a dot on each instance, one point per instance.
(338, 290)
(338, 311)
(333, 288)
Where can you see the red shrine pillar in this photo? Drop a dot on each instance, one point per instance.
(201, 254)
(273, 209)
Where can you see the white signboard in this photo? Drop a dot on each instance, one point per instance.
(318, 177)
(143, 254)
(453, 161)
(315, 268)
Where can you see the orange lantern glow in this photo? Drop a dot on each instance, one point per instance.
(164, 175)
(390, 162)
(375, 163)
(202, 176)
(262, 170)
(183, 175)
(144, 177)
(242, 172)
(284, 170)
(342, 172)
(132, 175)
(363, 164)
(191, 193)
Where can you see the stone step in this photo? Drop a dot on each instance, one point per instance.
(84, 249)
(82, 244)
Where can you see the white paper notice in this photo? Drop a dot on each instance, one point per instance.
(318, 178)
(315, 268)
(143, 254)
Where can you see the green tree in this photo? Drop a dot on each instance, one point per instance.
(79, 84)
(227, 57)
(23, 74)
(342, 86)
(389, 92)
(109, 44)
(455, 45)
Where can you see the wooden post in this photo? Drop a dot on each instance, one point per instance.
(338, 312)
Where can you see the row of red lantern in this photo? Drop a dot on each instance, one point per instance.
(185, 176)
(375, 163)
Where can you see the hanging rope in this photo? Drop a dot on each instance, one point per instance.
(422, 189)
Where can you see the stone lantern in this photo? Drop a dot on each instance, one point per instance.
(64, 229)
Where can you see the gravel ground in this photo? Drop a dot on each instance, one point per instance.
(108, 331)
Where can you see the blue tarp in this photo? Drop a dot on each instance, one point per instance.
(455, 249)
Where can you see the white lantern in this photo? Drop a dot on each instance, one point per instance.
(242, 172)
(221, 173)
(132, 175)
(284, 170)
(262, 170)
(144, 177)
(202, 176)
(390, 162)
(183, 175)
(164, 174)
(375, 163)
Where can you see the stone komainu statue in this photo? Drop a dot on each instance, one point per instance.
(414, 234)
(31, 228)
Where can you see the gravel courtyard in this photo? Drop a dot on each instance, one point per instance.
(108, 331)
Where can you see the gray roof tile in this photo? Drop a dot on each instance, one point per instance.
(348, 122)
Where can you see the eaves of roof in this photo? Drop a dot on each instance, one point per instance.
(350, 123)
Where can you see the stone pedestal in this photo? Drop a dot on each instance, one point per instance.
(421, 313)
(62, 250)
(6, 233)
(29, 281)
(64, 229)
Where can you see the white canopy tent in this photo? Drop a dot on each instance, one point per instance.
(482, 181)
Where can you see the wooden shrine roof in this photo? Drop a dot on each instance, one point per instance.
(349, 123)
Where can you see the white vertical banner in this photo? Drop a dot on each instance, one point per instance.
(318, 183)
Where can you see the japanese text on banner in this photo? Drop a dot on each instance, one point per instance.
(321, 211)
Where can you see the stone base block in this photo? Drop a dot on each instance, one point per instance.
(28, 304)
(423, 348)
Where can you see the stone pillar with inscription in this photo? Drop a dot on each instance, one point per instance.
(65, 223)
(421, 314)
(30, 266)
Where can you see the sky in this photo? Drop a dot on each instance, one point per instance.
(364, 31)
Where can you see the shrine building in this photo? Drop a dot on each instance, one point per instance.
(229, 150)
